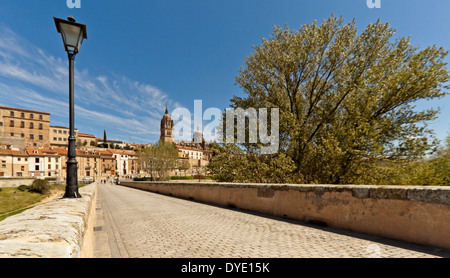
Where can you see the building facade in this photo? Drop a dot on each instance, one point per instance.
(86, 140)
(14, 163)
(21, 128)
(59, 136)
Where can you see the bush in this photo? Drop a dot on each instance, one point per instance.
(23, 187)
(40, 186)
(181, 178)
(141, 179)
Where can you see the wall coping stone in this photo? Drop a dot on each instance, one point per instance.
(427, 194)
(54, 229)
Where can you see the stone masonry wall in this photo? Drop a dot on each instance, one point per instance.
(61, 228)
(418, 214)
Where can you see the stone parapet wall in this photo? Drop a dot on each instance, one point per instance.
(61, 228)
(418, 214)
(15, 182)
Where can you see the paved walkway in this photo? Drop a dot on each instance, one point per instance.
(138, 224)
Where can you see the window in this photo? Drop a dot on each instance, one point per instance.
(37, 159)
(11, 123)
(49, 166)
(1, 123)
(59, 139)
(22, 124)
(22, 168)
(40, 126)
(41, 137)
(31, 116)
(65, 132)
(54, 131)
(31, 136)
(40, 117)
(59, 131)
(36, 167)
(49, 159)
(31, 125)
(19, 174)
(55, 139)
(19, 159)
(22, 135)
(11, 113)
(12, 134)
(22, 115)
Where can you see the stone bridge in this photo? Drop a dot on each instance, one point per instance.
(221, 220)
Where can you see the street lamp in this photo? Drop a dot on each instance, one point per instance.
(72, 34)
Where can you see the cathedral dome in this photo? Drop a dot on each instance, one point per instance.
(198, 136)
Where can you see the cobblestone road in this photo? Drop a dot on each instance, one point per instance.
(138, 224)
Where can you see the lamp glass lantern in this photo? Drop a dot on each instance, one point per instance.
(72, 33)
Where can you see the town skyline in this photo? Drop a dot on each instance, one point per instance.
(124, 79)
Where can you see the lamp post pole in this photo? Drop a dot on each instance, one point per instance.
(72, 164)
(72, 34)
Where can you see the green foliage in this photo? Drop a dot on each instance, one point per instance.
(430, 171)
(40, 186)
(231, 164)
(23, 187)
(181, 177)
(160, 158)
(142, 179)
(346, 99)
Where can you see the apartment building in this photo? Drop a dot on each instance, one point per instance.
(59, 136)
(14, 163)
(21, 128)
(127, 163)
(43, 162)
(51, 162)
(108, 163)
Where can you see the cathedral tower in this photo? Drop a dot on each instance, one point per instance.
(166, 127)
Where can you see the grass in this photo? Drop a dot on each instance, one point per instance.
(14, 201)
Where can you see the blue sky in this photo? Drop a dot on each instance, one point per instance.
(143, 54)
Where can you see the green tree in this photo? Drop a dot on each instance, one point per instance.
(230, 163)
(160, 158)
(441, 164)
(345, 97)
(184, 166)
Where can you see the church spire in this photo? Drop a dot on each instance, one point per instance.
(166, 127)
